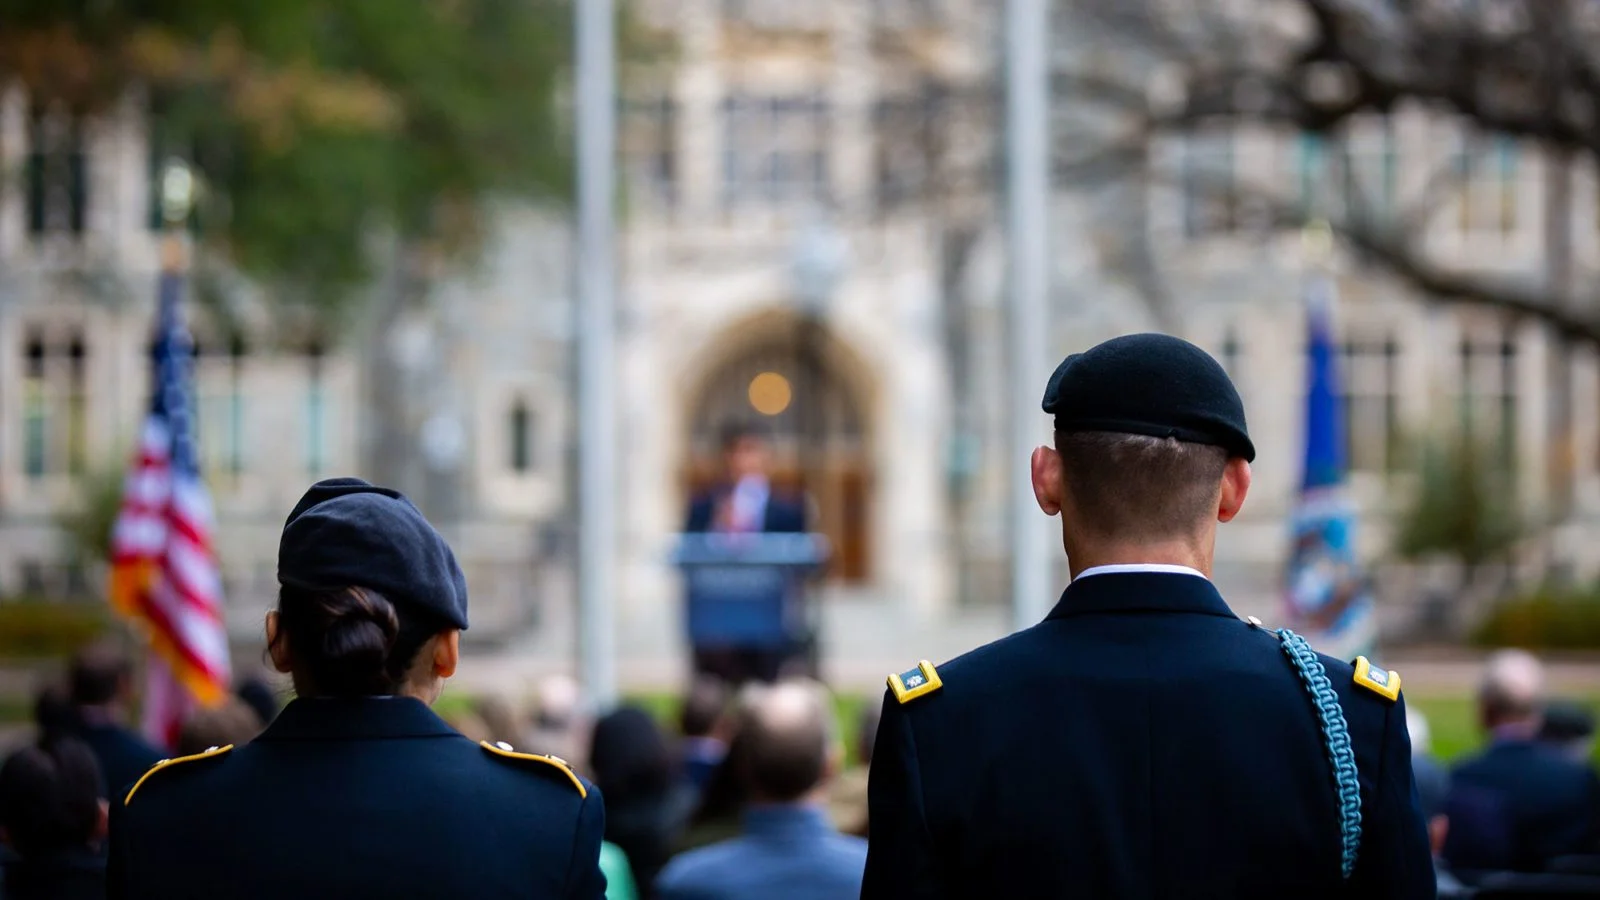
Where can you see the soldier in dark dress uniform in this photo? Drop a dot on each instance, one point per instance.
(1143, 741)
(357, 789)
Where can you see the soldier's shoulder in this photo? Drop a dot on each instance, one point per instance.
(169, 772)
(972, 676)
(541, 767)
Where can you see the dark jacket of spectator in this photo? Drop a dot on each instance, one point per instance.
(646, 805)
(99, 684)
(52, 823)
(1519, 805)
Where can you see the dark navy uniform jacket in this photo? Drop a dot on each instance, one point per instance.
(1141, 742)
(358, 798)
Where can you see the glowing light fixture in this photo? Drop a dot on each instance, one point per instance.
(770, 393)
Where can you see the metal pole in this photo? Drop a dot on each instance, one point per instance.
(596, 112)
(1027, 159)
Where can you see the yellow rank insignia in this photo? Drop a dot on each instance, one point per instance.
(169, 763)
(501, 748)
(908, 686)
(1383, 682)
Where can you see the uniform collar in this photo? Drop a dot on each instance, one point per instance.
(322, 719)
(1141, 591)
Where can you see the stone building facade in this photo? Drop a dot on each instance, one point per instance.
(810, 192)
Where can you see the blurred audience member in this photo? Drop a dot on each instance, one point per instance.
(1433, 794)
(52, 822)
(1519, 803)
(703, 745)
(719, 809)
(1432, 778)
(100, 684)
(619, 877)
(1569, 727)
(788, 849)
(231, 722)
(501, 720)
(646, 805)
(558, 721)
(467, 722)
(848, 797)
(52, 710)
(260, 697)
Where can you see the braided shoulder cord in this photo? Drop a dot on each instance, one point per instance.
(1336, 735)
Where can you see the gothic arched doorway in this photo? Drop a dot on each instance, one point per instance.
(818, 430)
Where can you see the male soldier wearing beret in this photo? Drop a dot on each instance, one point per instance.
(1143, 741)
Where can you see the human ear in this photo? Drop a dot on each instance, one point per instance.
(446, 653)
(277, 650)
(1235, 485)
(1045, 468)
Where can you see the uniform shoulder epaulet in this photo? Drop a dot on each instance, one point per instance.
(503, 750)
(169, 763)
(913, 683)
(1383, 682)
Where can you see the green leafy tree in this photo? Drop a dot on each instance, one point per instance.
(315, 124)
(87, 524)
(1465, 507)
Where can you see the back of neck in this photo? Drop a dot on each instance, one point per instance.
(1172, 553)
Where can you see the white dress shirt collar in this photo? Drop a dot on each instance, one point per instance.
(1126, 568)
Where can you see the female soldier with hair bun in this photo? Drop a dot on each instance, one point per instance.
(357, 789)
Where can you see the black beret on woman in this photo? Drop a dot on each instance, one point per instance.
(358, 789)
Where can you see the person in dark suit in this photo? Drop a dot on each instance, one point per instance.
(787, 847)
(1143, 741)
(744, 503)
(357, 789)
(1521, 802)
(100, 685)
(52, 822)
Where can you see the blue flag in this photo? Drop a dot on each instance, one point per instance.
(1328, 598)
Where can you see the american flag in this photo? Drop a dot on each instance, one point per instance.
(164, 573)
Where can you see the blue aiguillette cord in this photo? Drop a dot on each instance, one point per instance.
(1336, 737)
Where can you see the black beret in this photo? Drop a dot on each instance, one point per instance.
(345, 532)
(1149, 384)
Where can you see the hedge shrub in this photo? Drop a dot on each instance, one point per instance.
(35, 629)
(1552, 619)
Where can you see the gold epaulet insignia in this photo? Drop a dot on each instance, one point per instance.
(501, 748)
(1383, 682)
(910, 685)
(169, 763)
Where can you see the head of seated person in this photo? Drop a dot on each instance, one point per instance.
(50, 804)
(231, 722)
(789, 745)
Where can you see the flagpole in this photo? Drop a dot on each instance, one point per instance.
(166, 702)
(596, 113)
(1028, 187)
